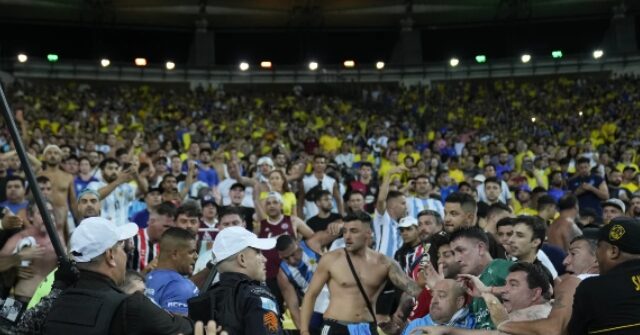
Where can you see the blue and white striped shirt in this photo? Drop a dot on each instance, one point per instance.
(387, 235)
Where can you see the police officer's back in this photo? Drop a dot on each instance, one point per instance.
(95, 305)
(610, 303)
(238, 302)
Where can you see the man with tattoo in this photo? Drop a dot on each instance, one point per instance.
(348, 313)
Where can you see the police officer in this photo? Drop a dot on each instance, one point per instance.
(95, 304)
(239, 303)
(610, 303)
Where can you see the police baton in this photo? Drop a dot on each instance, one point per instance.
(7, 114)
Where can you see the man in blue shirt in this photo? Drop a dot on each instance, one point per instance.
(448, 308)
(167, 285)
(590, 188)
(15, 190)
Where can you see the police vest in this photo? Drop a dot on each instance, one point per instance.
(219, 304)
(83, 311)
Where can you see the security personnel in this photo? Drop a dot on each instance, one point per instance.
(95, 304)
(610, 303)
(238, 302)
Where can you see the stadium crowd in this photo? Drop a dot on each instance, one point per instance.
(472, 207)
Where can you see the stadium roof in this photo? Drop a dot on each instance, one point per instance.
(297, 14)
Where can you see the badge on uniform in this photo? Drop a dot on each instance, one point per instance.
(269, 305)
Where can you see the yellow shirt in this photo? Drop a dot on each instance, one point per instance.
(457, 175)
(288, 202)
(631, 187)
(330, 143)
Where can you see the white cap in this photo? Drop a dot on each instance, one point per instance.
(276, 196)
(615, 203)
(480, 178)
(96, 235)
(265, 160)
(407, 222)
(232, 240)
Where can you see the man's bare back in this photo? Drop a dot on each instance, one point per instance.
(561, 232)
(347, 303)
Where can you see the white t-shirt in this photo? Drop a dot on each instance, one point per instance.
(309, 182)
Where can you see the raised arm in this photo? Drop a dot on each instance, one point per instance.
(124, 177)
(381, 203)
(301, 228)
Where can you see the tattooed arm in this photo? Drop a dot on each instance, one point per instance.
(400, 279)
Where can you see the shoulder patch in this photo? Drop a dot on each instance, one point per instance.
(269, 305)
(270, 321)
(261, 291)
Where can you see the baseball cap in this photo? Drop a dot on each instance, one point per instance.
(622, 232)
(154, 189)
(232, 240)
(237, 185)
(265, 160)
(96, 235)
(275, 195)
(480, 178)
(208, 200)
(407, 222)
(615, 203)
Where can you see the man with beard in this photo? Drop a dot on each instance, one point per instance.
(206, 173)
(63, 190)
(614, 181)
(422, 199)
(588, 187)
(556, 185)
(116, 194)
(167, 285)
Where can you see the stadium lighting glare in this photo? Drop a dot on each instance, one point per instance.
(597, 54)
(556, 54)
(380, 65)
(52, 58)
(454, 62)
(265, 64)
(105, 62)
(313, 66)
(481, 59)
(525, 59)
(140, 61)
(170, 65)
(349, 63)
(580, 113)
(533, 119)
(22, 58)
(244, 66)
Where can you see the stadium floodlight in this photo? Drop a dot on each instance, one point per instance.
(266, 64)
(556, 54)
(533, 119)
(380, 65)
(52, 58)
(22, 58)
(105, 62)
(313, 66)
(597, 54)
(580, 113)
(349, 63)
(244, 66)
(454, 62)
(170, 65)
(481, 59)
(140, 61)
(525, 59)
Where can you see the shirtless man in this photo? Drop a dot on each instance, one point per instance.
(62, 188)
(564, 228)
(347, 309)
(40, 267)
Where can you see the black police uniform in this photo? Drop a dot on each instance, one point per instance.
(95, 305)
(241, 306)
(608, 304)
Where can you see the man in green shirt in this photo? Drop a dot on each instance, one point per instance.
(471, 248)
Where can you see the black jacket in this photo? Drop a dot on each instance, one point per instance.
(135, 314)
